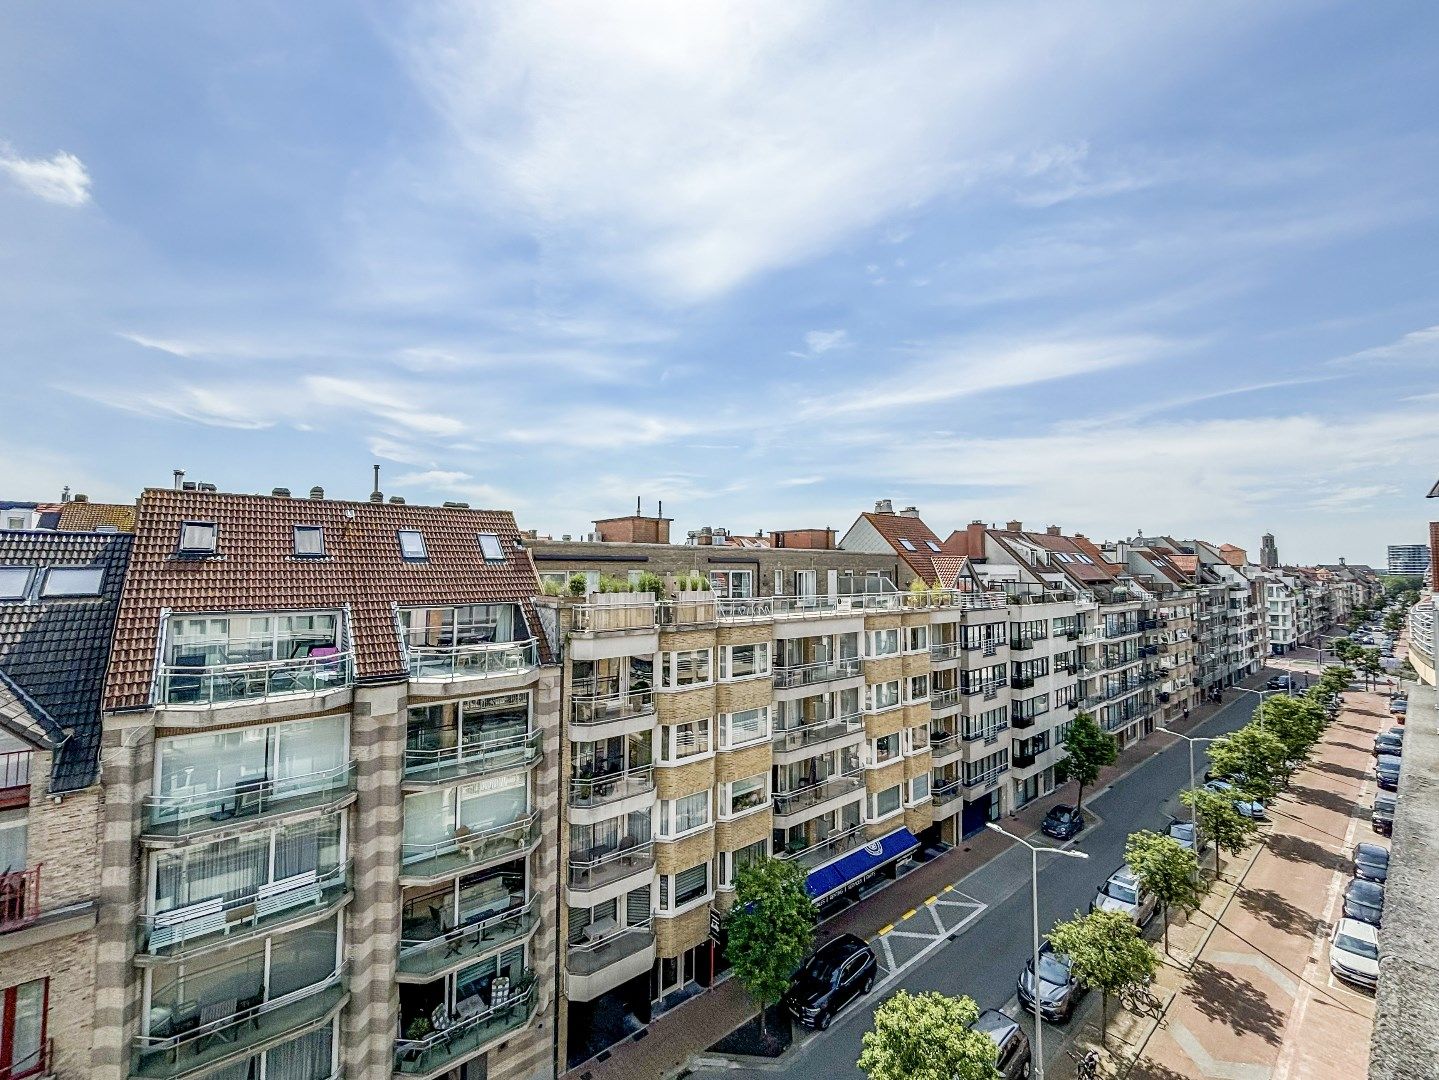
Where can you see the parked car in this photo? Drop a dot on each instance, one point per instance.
(1354, 953)
(1059, 990)
(1386, 771)
(1364, 900)
(1122, 892)
(837, 973)
(1385, 743)
(1063, 822)
(1278, 682)
(1399, 706)
(1015, 1059)
(1189, 834)
(1250, 808)
(1382, 816)
(1371, 862)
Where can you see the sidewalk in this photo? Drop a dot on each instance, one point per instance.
(663, 1048)
(1260, 1002)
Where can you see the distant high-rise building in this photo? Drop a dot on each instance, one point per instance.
(1408, 558)
(1268, 552)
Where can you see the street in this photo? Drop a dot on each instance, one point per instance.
(984, 956)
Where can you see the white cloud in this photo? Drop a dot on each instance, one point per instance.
(60, 178)
(819, 342)
(174, 348)
(1418, 346)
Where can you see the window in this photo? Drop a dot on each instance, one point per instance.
(309, 540)
(490, 548)
(681, 816)
(681, 741)
(916, 638)
(883, 695)
(15, 522)
(932, 546)
(745, 795)
(885, 802)
(23, 1036)
(885, 748)
(919, 788)
(679, 890)
(14, 839)
(197, 538)
(908, 545)
(884, 642)
(690, 668)
(731, 862)
(73, 581)
(412, 545)
(744, 661)
(14, 582)
(918, 688)
(732, 584)
(743, 728)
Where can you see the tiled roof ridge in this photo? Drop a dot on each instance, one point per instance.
(305, 499)
(55, 734)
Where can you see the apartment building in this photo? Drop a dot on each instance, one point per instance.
(1408, 559)
(58, 600)
(1177, 630)
(330, 830)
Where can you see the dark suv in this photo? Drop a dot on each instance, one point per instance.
(1014, 1054)
(841, 970)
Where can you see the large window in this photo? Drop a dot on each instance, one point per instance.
(470, 624)
(916, 638)
(678, 891)
(885, 802)
(744, 661)
(885, 748)
(435, 818)
(689, 668)
(22, 1037)
(437, 735)
(883, 695)
(224, 640)
(743, 728)
(681, 816)
(243, 867)
(678, 742)
(732, 584)
(883, 642)
(742, 796)
(730, 862)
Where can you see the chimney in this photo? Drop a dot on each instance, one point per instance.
(82, 498)
(179, 478)
(1014, 526)
(65, 494)
(883, 506)
(974, 540)
(910, 512)
(397, 500)
(1052, 530)
(375, 495)
(457, 506)
(317, 492)
(280, 493)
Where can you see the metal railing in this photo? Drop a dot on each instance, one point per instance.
(15, 773)
(946, 698)
(608, 787)
(176, 815)
(821, 671)
(987, 777)
(590, 957)
(987, 734)
(947, 792)
(466, 1035)
(817, 733)
(946, 650)
(590, 707)
(222, 684)
(1121, 631)
(427, 956)
(831, 787)
(467, 847)
(474, 759)
(473, 661)
(824, 850)
(611, 865)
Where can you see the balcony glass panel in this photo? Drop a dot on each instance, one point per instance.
(480, 933)
(469, 738)
(449, 1019)
(461, 825)
(595, 952)
(215, 659)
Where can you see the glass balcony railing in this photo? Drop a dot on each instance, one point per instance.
(590, 707)
(473, 759)
(947, 792)
(185, 683)
(833, 787)
(232, 919)
(473, 661)
(258, 797)
(821, 671)
(589, 957)
(609, 787)
(822, 851)
(466, 849)
(466, 1035)
(600, 867)
(202, 1034)
(818, 732)
(465, 944)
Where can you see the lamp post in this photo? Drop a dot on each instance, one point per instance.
(1259, 712)
(1034, 851)
(1191, 741)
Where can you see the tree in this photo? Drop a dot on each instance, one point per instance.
(1368, 664)
(1167, 869)
(1087, 750)
(1253, 760)
(1106, 951)
(1394, 622)
(1297, 722)
(1216, 813)
(927, 1036)
(770, 929)
(1344, 648)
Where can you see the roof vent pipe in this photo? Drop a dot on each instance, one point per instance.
(317, 492)
(179, 478)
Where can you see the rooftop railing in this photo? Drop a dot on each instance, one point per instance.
(486, 660)
(187, 683)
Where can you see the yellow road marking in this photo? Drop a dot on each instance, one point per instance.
(949, 888)
(931, 900)
(885, 929)
(909, 914)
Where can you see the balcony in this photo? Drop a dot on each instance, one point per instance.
(822, 851)
(947, 792)
(820, 672)
(1021, 716)
(1120, 660)
(603, 959)
(1021, 682)
(480, 661)
(613, 618)
(817, 733)
(15, 779)
(424, 960)
(987, 735)
(943, 743)
(1023, 761)
(1122, 630)
(591, 705)
(787, 803)
(228, 920)
(248, 800)
(466, 1036)
(599, 867)
(191, 1039)
(192, 682)
(19, 898)
(611, 786)
(477, 758)
(1020, 644)
(697, 609)
(468, 849)
(940, 700)
(986, 778)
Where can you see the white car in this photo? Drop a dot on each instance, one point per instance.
(1246, 807)
(1188, 834)
(1122, 892)
(1354, 953)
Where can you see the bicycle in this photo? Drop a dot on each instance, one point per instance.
(1086, 1063)
(1138, 998)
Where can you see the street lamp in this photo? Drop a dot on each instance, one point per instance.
(1259, 712)
(1034, 850)
(1191, 741)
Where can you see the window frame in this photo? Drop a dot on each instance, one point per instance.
(667, 812)
(762, 670)
(726, 731)
(211, 549)
(318, 530)
(727, 812)
(670, 666)
(25, 585)
(424, 552)
(46, 592)
(499, 551)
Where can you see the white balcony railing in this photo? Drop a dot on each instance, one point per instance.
(473, 661)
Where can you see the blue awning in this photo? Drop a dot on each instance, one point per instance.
(856, 864)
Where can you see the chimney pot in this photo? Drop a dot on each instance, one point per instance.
(317, 492)
(65, 494)
(883, 506)
(377, 497)
(82, 498)
(179, 479)
(280, 493)
(1014, 526)
(397, 500)
(1053, 530)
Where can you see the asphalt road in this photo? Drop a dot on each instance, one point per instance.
(986, 958)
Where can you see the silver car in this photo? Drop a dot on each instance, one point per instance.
(1122, 892)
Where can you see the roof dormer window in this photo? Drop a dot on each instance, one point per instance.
(490, 548)
(198, 537)
(309, 541)
(412, 546)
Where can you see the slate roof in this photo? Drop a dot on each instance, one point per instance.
(54, 652)
(896, 527)
(255, 569)
(88, 516)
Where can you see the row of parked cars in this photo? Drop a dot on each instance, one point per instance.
(1354, 948)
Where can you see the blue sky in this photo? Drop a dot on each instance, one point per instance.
(1112, 266)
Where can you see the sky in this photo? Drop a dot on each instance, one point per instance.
(1113, 266)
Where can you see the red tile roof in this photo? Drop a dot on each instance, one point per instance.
(255, 569)
(897, 527)
(88, 516)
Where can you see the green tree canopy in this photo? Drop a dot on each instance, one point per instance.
(1252, 759)
(1229, 830)
(1367, 662)
(927, 1036)
(1088, 749)
(770, 929)
(1166, 868)
(1106, 951)
(1297, 722)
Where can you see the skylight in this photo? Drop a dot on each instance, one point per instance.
(490, 548)
(412, 545)
(197, 538)
(14, 582)
(73, 581)
(908, 545)
(309, 540)
(932, 546)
